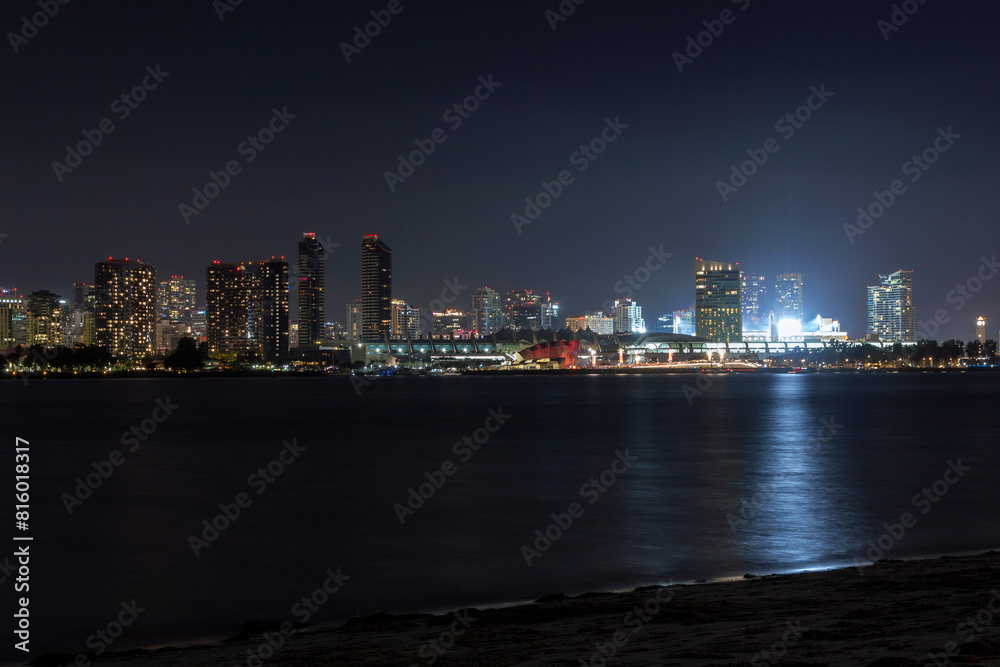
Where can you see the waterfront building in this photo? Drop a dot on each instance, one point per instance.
(13, 319)
(125, 307)
(891, 314)
(45, 312)
(753, 300)
(311, 291)
(717, 301)
(627, 317)
(405, 320)
(981, 330)
(596, 322)
(376, 288)
(487, 311)
(788, 297)
(247, 308)
(684, 321)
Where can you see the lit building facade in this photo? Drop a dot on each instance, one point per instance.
(487, 311)
(598, 323)
(627, 317)
(981, 330)
(405, 320)
(684, 321)
(13, 320)
(376, 288)
(523, 309)
(45, 312)
(753, 301)
(125, 307)
(247, 308)
(311, 291)
(788, 297)
(450, 323)
(354, 320)
(891, 315)
(717, 305)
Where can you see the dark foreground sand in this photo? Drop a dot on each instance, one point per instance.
(895, 614)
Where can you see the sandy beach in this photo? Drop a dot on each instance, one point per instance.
(891, 614)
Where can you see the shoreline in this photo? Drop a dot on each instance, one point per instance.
(891, 613)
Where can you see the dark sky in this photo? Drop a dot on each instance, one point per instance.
(654, 185)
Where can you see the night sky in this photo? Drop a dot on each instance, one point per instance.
(655, 184)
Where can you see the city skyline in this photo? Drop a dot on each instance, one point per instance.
(655, 184)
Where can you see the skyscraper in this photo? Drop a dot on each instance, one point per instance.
(13, 320)
(125, 317)
(891, 314)
(788, 297)
(981, 330)
(717, 301)
(45, 311)
(376, 288)
(753, 300)
(247, 308)
(177, 299)
(627, 316)
(311, 291)
(354, 320)
(405, 320)
(487, 313)
(523, 309)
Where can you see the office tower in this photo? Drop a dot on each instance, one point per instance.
(981, 330)
(717, 301)
(450, 323)
(597, 322)
(80, 292)
(312, 310)
(376, 288)
(354, 320)
(247, 308)
(177, 299)
(548, 312)
(405, 320)
(487, 312)
(753, 300)
(627, 316)
(891, 314)
(523, 309)
(13, 319)
(684, 321)
(45, 311)
(665, 323)
(125, 307)
(788, 297)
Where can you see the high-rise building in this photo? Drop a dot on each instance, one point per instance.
(717, 301)
(13, 320)
(450, 323)
(549, 312)
(753, 299)
(665, 323)
(376, 288)
(405, 320)
(523, 309)
(788, 297)
(487, 312)
(311, 290)
(981, 330)
(125, 307)
(627, 316)
(247, 308)
(684, 321)
(354, 320)
(45, 311)
(177, 299)
(891, 315)
(597, 322)
(80, 292)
